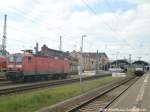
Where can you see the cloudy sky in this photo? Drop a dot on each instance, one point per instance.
(117, 27)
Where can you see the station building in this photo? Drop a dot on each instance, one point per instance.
(91, 60)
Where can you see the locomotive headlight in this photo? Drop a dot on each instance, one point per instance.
(10, 66)
(18, 66)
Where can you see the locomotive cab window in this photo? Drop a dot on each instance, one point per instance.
(29, 59)
(15, 58)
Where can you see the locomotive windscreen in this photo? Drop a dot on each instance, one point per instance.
(17, 58)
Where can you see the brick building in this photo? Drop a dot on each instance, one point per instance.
(91, 60)
(45, 51)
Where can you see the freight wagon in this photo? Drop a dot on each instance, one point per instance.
(22, 66)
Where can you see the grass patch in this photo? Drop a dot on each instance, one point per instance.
(29, 102)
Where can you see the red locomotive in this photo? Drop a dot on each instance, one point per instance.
(2, 64)
(22, 66)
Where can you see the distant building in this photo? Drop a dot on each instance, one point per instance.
(91, 60)
(122, 63)
(73, 61)
(45, 51)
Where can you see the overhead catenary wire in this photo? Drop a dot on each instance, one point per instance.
(40, 36)
(35, 21)
(115, 15)
(95, 13)
(29, 33)
(33, 34)
(112, 9)
(108, 26)
(21, 12)
(30, 18)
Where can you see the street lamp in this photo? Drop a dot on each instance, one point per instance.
(117, 59)
(82, 42)
(81, 63)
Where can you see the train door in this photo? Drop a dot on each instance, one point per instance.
(29, 66)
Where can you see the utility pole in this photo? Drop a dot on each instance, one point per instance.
(97, 61)
(36, 48)
(130, 58)
(117, 59)
(130, 63)
(4, 36)
(60, 44)
(81, 63)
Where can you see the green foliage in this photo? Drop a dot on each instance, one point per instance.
(29, 102)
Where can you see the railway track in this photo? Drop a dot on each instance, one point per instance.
(4, 83)
(3, 78)
(10, 90)
(102, 101)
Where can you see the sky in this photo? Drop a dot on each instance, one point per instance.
(117, 27)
